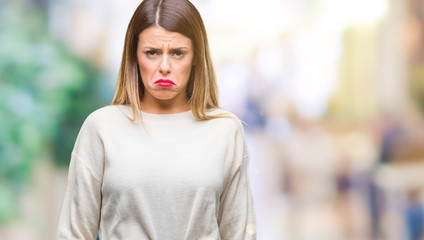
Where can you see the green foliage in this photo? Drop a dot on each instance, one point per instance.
(45, 94)
(8, 208)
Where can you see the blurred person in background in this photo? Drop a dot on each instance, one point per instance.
(164, 161)
(414, 215)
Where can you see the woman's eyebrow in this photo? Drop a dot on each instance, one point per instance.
(172, 49)
(179, 48)
(153, 48)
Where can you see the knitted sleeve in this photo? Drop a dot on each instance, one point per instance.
(236, 217)
(80, 216)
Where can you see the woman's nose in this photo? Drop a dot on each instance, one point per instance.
(165, 68)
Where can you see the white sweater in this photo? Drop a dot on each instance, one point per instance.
(167, 177)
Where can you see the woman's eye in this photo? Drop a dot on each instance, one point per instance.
(151, 53)
(178, 53)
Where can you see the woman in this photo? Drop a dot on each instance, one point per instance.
(163, 161)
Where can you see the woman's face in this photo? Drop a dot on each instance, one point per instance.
(165, 60)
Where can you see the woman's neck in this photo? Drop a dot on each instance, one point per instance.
(158, 106)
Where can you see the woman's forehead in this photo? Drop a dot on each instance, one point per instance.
(157, 36)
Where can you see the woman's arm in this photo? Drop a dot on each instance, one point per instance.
(80, 216)
(236, 217)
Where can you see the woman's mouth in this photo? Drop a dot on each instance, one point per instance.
(164, 83)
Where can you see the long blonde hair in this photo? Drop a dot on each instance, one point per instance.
(175, 16)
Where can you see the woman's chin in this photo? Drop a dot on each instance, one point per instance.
(165, 97)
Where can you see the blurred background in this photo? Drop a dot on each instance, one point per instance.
(332, 92)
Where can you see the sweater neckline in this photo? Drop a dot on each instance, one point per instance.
(181, 116)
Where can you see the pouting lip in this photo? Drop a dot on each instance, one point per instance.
(165, 81)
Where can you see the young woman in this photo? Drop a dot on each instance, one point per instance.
(163, 161)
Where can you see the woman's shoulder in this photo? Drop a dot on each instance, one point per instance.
(222, 112)
(219, 111)
(105, 111)
(107, 114)
(225, 118)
